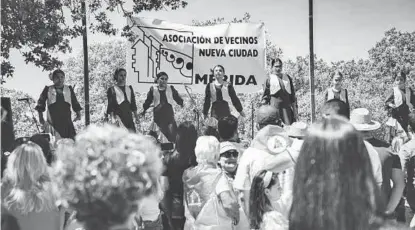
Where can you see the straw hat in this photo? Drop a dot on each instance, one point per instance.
(361, 119)
(297, 129)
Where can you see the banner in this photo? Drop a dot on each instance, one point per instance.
(189, 53)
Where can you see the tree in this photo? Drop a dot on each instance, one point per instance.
(395, 52)
(38, 29)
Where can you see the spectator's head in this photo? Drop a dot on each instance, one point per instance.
(106, 173)
(411, 122)
(40, 140)
(63, 144)
(207, 150)
(228, 157)
(265, 191)
(186, 141)
(335, 107)
(361, 119)
(333, 176)
(211, 131)
(267, 115)
(26, 179)
(228, 127)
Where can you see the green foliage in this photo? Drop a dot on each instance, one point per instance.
(40, 30)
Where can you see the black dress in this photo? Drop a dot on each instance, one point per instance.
(282, 100)
(60, 111)
(220, 107)
(401, 113)
(163, 113)
(125, 109)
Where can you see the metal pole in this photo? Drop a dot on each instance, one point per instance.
(86, 72)
(312, 96)
(252, 120)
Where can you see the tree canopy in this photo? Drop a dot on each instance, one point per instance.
(41, 29)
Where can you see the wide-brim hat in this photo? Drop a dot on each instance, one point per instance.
(361, 119)
(272, 139)
(297, 129)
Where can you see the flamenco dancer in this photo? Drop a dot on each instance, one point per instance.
(59, 98)
(162, 96)
(219, 94)
(121, 102)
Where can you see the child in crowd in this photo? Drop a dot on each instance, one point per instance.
(265, 210)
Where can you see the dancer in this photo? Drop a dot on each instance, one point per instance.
(121, 102)
(59, 99)
(400, 102)
(219, 94)
(336, 90)
(162, 96)
(279, 92)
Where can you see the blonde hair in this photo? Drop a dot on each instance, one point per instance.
(207, 149)
(27, 186)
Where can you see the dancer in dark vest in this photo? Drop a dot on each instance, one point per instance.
(162, 96)
(220, 94)
(121, 102)
(59, 98)
(279, 92)
(400, 101)
(336, 90)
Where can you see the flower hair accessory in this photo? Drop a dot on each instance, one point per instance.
(277, 144)
(267, 178)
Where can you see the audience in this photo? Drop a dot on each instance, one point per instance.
(104, 176)
(27, 192)
(176, 163)
(334, 184)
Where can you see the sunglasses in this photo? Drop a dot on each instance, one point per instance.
(230, 153)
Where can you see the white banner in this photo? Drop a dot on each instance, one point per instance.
(188, 53)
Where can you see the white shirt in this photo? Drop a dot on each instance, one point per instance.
(376, 163)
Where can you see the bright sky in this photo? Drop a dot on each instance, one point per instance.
(343, 30)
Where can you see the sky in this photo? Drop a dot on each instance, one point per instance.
(343, 30)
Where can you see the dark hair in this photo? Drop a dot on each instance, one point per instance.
(412, 121)
(275, 60)
(9, 222)
(186, 142)
(334, 184)
(44, 145)
(227, 127)
(259, 202)
(400, 74)
(159, 75)
(54, 73)
(336, 73)
(335, 107)
(268, 115)
(117, 71)
(220, 66)
(211, 131)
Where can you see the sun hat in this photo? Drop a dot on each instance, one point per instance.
(361, 119)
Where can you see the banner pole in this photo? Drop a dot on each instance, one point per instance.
(312, 96)
(86, 72)
(252, 120)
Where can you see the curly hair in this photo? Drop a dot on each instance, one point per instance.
(104, 174)
(334, 185)
(207, 150)
(26, 184)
